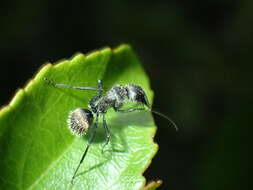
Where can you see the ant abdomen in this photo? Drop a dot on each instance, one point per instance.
(79, 121)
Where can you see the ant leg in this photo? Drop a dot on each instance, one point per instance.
(129, 110)
(97, 96)
(93, 133)
(107, 132)
(100, 85)
(69, 86)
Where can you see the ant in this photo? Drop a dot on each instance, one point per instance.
(80, 120)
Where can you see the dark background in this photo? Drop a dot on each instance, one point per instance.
(198, 55)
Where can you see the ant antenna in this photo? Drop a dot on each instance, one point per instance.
(165, 117)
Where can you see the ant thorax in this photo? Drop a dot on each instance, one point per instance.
(114, 98)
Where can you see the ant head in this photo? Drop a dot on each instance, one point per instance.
(79, 121)
(136, 94)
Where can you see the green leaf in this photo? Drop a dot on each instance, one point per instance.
(38, 151)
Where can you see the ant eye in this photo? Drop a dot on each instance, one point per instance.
(79, 121)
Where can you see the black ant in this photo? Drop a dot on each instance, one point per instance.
(80, 120)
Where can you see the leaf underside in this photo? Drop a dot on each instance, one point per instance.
(38, 151)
